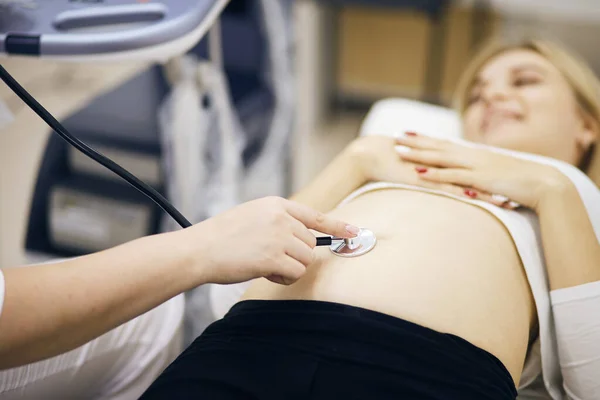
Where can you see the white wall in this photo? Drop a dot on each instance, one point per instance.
(580, 36)
(577, 11)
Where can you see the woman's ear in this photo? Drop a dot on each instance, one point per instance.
(588, 133)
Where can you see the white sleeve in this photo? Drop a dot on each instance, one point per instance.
(1, 291)
(577, 320)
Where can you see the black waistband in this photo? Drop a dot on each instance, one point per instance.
(349, 333)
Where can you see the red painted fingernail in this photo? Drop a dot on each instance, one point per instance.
(410, 134)
(421, 170)
(471, 193)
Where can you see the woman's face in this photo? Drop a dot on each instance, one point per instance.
(520, 101)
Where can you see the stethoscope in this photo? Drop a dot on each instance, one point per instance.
(354, 247)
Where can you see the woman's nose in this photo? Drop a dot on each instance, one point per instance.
(495, 92)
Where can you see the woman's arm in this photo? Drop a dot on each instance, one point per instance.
(571, 248)
(572, 256)
(570, 244)
(365, 159)
(339, 179)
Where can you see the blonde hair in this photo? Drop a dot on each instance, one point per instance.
(581, 78)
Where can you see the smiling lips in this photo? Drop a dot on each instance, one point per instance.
(494, 116)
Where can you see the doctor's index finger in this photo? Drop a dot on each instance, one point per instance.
(321, 222)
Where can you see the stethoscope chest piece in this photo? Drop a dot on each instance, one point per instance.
(357, 246)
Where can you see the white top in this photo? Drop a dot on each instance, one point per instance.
(564, 361)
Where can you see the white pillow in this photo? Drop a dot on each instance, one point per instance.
(392, 116)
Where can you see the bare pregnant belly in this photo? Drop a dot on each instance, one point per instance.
(439, 262)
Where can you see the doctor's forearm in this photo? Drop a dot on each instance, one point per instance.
(51, 309)
(340, 178)
(571, 248)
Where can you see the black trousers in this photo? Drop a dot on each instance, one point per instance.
(297, 349)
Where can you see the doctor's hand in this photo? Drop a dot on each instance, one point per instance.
(480, 173)
(268, 237)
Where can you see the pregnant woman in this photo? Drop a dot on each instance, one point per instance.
(485, 281)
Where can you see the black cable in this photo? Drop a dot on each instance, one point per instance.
(88, 151)
(324, 241)
(327, 240)
(103, 160)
